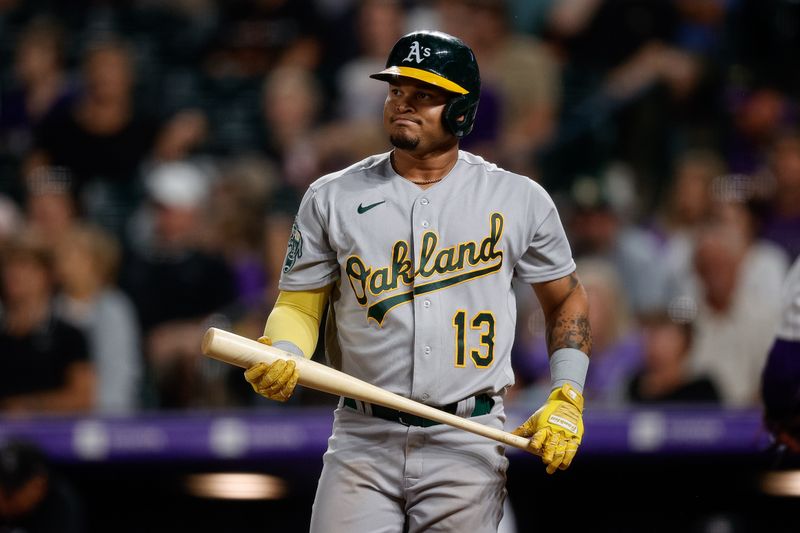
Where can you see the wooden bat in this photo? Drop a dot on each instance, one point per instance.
(243, 352)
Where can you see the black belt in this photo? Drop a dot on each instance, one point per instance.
(483, 404)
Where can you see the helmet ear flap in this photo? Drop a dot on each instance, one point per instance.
(459, 114)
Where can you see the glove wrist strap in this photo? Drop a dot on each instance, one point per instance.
(568, 365)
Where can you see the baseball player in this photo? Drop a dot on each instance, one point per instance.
(416, 250)
(780, 383)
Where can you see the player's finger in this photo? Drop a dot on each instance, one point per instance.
(265, 340)
(550, 448)
(561, 449)
(525, 430)
(276, 369)
(280, 379)
(285, 385)
(287, 390)
(569, 454)
(289, 371)
(271, 382)
(254, 373)
(269, 377)
(539, 439)
(558, 456)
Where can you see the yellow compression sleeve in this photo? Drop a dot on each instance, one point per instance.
(296, 318)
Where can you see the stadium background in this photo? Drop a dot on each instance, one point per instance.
(183, 133)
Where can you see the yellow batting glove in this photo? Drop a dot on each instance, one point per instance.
(556, 428)
(275, 380)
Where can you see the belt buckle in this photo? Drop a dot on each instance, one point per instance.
(400, 420)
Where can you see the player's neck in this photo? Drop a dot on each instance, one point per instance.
(424, 170)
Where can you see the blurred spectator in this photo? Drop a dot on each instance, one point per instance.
(665, 375)
(782, 221)
(292, 98)
(291, 101)
(597, 228)
(50, 203)
(173, 282)
(86, 261)
(687, 206)
(738, 290)
(236, 209)
(623, 76)
(733, 205)
(530, 17)
(354, 134)
(378, 25)
(765, 42)
(701, 24)
(765, 264)
(521, 70)
(33, 497)
(103, 139)
(689, 199)
(41, 87)
(757, 117)
(256, 36)
(616, 345)
(10, 220)
(302, 148)
(780, 380)
(45, 365)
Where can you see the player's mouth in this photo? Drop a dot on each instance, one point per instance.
(404, 121)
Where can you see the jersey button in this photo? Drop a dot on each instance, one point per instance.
(424, 201)
(426, 396)
(426, 303)
(425, 224)
(427, 350)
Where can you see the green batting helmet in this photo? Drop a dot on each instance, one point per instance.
(444, 61)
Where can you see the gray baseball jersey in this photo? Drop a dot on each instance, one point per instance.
(423, 303)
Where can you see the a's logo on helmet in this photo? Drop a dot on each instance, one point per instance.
(416, 53)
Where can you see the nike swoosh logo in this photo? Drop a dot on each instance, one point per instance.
(364, 208)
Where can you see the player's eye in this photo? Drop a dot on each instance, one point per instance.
(423, 96)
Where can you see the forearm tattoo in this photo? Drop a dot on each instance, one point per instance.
(569, 326)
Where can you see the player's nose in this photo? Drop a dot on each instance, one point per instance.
(402, 104)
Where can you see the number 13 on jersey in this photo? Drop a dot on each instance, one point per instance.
(484, 323)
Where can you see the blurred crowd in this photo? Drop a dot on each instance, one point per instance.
(153, 154)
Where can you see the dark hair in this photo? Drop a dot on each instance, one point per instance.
(664, 317)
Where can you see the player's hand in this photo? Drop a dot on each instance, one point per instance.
(556, 428)
(275, 380)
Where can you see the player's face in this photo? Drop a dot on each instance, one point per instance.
(412, 116)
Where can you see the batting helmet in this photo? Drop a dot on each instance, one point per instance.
(444, 61)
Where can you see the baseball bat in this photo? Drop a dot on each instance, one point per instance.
(243, 352)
